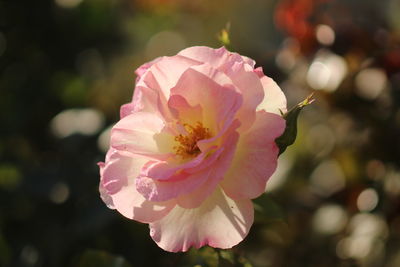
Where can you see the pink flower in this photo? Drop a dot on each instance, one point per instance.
(194, 146)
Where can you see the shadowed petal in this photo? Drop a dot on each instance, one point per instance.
(219, 222)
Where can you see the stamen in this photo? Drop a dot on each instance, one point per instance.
(187, 147)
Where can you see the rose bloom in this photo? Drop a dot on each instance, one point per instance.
(194, 146)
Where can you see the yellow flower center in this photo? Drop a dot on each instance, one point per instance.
(187, 147)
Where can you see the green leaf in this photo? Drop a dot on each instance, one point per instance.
(290, 133)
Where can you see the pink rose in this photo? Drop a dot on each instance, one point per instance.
(194, 146)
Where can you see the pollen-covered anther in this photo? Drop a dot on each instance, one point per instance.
(187, 147)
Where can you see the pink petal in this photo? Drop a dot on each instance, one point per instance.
(183, 111)
(193, 199)
(219, 103)
(154, 190)
(219, 222)
(218, 58)
(274, 100)
(117, 188)
(214, 74)
(126, 109)
(149, 98)
(156, 79)
(251, 88)
(144, 99)
(137, 133)
(164, 170)
(143, 68)
(166, 73)
(103, 192)
(178, 180)
(146, 96)
(111, 180)
(134, 206)
(107, 199)
(160, 181)
(255, 159)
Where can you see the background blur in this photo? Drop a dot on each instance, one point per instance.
(66, 66)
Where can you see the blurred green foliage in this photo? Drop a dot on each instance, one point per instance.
(92, 258)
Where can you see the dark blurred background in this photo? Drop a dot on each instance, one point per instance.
(67, 65)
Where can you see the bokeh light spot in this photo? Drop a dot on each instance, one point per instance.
(375, 169)
(391, 183)
(29, 255)
(329, 219)
(59, 193)
(77, 121)
(367, 200)
(327, 179)
(327, 71)
(325, 34)
(367, 233)
(370, 83)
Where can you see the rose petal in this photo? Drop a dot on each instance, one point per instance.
(251, 88)
(166, 76)
(138, 133)
(218, 58)
(219, 222)
(154, 190)
(274, 100)
(183, 111)
(181, 180)
(160, 181)
(117, 185)
(164, 170)
(107, 199)
(103, 192)
(143, 68)
(193, 199)
(222, 101)
(133, 205)
(255, 159)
